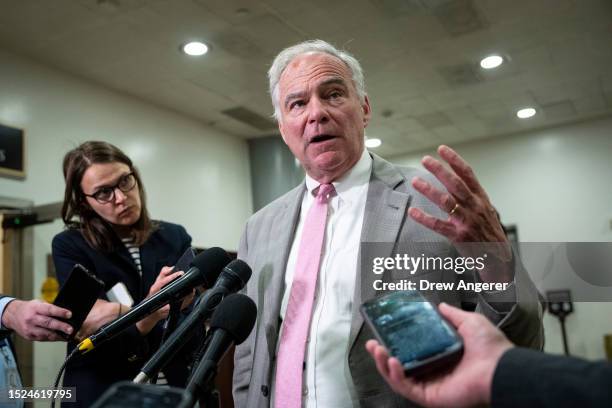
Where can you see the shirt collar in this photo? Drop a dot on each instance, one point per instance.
(348, 186)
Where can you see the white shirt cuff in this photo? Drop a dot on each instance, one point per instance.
(3, 302)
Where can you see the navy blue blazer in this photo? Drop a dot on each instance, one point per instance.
(121, 358)
(527, 378)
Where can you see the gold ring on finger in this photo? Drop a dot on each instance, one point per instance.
(454, 209)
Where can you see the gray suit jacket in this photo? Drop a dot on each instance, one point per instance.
(265, 246)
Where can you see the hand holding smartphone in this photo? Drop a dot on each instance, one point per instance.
(184, 261)
(78, 295)
(413, 331)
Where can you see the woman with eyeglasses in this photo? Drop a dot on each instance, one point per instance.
(110, 233)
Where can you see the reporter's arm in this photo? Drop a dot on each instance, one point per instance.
(35, 320)
(528, 378)
(465, 385)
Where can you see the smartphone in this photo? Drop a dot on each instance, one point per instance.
(78, 295)
(413, 331)
(184, 262)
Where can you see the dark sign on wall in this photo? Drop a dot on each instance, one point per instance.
(12, 152)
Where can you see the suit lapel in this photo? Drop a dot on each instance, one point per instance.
(123, 255)
(281, 238)
(385, 212)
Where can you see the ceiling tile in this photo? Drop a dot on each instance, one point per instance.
(558, 57)
(433, 120)
(559, 110)
(590, 104)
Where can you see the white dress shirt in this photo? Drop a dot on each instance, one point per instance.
(327, 381)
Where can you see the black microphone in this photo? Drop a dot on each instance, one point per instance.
(204, 270)
(231, 324)
(232, 278)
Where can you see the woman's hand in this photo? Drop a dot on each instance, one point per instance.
(101, 313)
(165, 276)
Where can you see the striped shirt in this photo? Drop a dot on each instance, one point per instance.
(135, 254)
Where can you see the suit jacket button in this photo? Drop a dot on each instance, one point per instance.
(264, 390)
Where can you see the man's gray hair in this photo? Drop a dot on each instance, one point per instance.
(287, 55)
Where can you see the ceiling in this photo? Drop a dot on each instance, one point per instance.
(420, 58)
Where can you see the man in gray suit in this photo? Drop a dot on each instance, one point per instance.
(304, 248)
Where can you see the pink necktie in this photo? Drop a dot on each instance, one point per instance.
(290, 359)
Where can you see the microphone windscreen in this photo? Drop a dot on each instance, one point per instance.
(235, 314)
(210, 263)
(240, 271)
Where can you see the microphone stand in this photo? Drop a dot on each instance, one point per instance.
(564, 334)
(560, 305)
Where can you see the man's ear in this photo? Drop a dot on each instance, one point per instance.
(367, 111)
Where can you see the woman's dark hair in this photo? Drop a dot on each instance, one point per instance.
(97, 231)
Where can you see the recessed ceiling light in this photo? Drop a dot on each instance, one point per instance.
(195, 48)
(525, 113)
(492, 61)
(372, 143)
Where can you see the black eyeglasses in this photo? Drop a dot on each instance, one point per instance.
(107, 194)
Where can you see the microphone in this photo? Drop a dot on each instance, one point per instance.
(232, 278)
(230, 325)
(204, 270)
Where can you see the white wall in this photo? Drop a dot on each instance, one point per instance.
(555, 185)
(194, 175)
